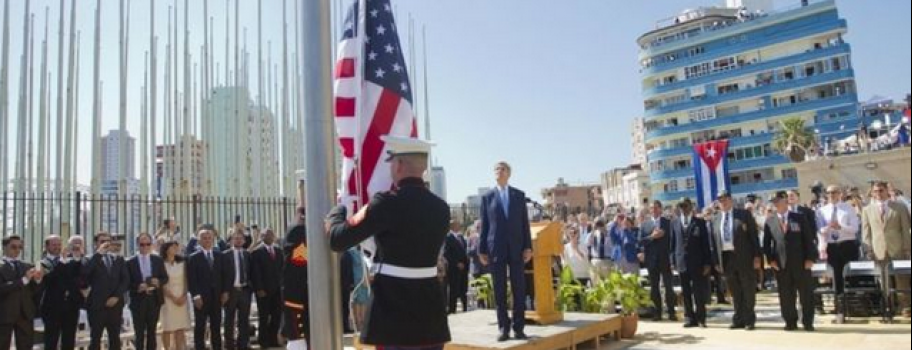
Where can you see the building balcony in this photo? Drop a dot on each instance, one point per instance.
(713, 33)
(752, 68)
(734, 166)
(712, 98)
(751, 140)
(737, 190)
(850, 98)
(733, 49)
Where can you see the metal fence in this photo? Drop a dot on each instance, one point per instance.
(35, 215)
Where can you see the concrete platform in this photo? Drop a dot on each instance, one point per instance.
(477, 330)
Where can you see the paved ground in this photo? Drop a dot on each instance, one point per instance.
(857, 334)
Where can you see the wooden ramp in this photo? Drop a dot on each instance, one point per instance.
(477, 330)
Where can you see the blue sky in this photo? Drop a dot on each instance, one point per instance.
(549, 86)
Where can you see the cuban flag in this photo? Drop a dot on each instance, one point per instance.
(711, 171)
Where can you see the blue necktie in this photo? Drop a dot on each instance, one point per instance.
(505, 200)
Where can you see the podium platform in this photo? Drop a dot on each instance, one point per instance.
(477, 330)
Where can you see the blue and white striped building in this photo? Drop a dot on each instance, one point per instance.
(734, 73)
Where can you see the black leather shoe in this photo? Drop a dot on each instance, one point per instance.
(673, 318)
(736, 326)
(521, 336)
(809, 328)
(791, 328)
(503, 337)
(703, 325)
(691, 325)
(750, 327)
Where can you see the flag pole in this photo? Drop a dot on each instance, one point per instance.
(60, 107)
(42, 124)
(325, 301)
(4, 103)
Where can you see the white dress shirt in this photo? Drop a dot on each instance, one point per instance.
(845, 216)
(727, 225)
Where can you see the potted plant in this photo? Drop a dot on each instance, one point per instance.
(484, 289)
(629, 293)
(570, 293)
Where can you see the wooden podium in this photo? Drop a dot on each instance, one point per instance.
(546, 244)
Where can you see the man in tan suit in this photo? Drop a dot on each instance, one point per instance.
(886, 230)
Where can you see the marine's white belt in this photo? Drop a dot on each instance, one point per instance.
(410, 273)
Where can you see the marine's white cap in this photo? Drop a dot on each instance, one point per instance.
(406, 146)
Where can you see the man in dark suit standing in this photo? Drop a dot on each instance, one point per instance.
(656, 231)
(236, 292)
(457, 258)
(736, 244)
(266, 278)
(147, 277)
(61, 296)
(809, 215)
(204, 280)
(791, 250)
(506, 245)
(53, 291)
(693, 261)
(18, 286)
(107, 277)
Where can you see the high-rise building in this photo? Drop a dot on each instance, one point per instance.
(438, 182)
(112, 156)
(170, 170)
(735, 74)
(243, 140)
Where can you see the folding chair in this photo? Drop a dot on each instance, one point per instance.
(819, 271)
(897, 269)
(866, 269)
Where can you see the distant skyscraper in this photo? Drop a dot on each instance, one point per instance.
(243, 145)
(438, 182)
(111, 156)
(169, 169)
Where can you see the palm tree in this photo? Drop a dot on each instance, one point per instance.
(794, 140)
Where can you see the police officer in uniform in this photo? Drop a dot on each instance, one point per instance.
(409, 226)
(295, 320)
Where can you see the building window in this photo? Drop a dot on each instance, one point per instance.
(671, 186)
(789, 173)
(691, 184)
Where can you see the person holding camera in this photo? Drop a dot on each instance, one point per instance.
(107, 277)
(147, 276)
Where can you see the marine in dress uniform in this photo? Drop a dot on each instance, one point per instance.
(409, 226)
(296, 322)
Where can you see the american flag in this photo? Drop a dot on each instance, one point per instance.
(373, 105)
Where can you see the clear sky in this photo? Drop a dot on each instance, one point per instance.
(549, 86)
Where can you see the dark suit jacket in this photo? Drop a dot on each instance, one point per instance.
(158, 272)
(104, 283)
(455, 252)
(792, 248)
(205, 281)
(228, 268)
(61, 286)
(504, 238)
(657, 252)
(17, 300)
(691, 246)
(746, 239)
(266, 272)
